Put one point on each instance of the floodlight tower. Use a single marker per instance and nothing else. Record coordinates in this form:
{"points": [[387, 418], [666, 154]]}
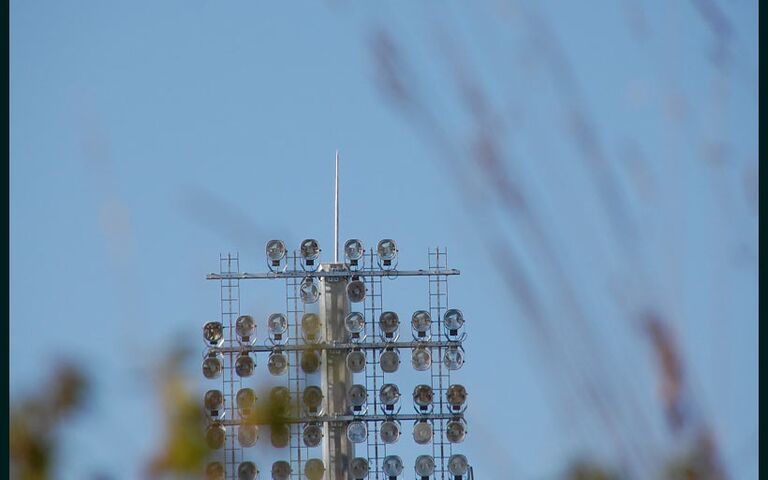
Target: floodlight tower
{"points": [[323, 342]]}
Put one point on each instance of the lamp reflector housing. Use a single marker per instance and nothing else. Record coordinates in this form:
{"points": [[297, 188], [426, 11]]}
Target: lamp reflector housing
{"points": [[213, 365], [310, 327], [453, 358], [455, 431], [310, 361], [357, 396], [215, 471], [453, 320], [247, 434], [422, 432], [281, 470], [245, 327], [425, 466], [275, 252], [356, 291], [244, 365], [309, 250], [357, 432], [312, 399], [389, 395], [421, 322], [215, 435], [423, 396], [359, 468], [392, 465], [309, 291], [213, 333], [356, 361], [389, 431], [353, 251], [247, 471], [214, 403], [389, 323], [421, 359], [312, 435], [389, 361], [458, 465], [246, 401], [387, 250], [314, 469], [277, 364], [280, 435]]}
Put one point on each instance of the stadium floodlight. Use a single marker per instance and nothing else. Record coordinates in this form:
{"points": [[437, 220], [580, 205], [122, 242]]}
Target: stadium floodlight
{"points": [[247, 471], [310, 251], [214, 403], [213, 333], [392, 466], [357, 431], [356, 291], [277, 364], [389, 432], [453, 321], [425, 466], [353, 252], [244, 365], [215, 471], [453, 358], [389, 395], [423, 396], [275, 252], [247, 434], [354, 323], [387, 250], [281, 470], [277, 324], [310, 327], [421, 323], [310, 361], [455, 430], [280, 436], [389, 323], [458, 465], [309, 290], [313, 399], [357, 396], [421, 359], [422, 432], [312, 435], [358, 468], [389, 360], [314, 469], [245, 327], [456, 396], [213, 365], [280, 395], [356, 361], [246, 401], [215, 435]]}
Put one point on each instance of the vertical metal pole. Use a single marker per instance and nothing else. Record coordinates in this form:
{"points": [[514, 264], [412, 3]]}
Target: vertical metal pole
{"points": [[338, 451], [336, 214]]}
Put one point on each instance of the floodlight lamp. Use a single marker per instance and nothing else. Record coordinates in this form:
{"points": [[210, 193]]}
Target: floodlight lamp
{"points": [[310, 250], [358, 468], [453, 321], [314, 469], [247, 434], [357, 432], [213, 332], [421, 359], [389, 322], [310, 327], [277, 325], [389, 431], [389, 360], [275, 252], [213, 365], [310, 361], [245, 399], [356, 291], [244, 365], [215, 436], [356, 361], [357, 396], [281, 470], [423, 396], [247, 471], [313, 399], [245, 327], [354, 323], [389, 395], [353, 251], [392, 466], [280, 395], [309, 290], [280, 436], [456, 396], [312, 435], [455, 431], [214, 403], [458, 465], [215, 471], [421, 322], [387, 250], [277, 364], [422, 432], [453, 358], [425, 466]]}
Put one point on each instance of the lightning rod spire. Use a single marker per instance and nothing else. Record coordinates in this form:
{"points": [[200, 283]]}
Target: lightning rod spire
{"points": [[336, 214]]}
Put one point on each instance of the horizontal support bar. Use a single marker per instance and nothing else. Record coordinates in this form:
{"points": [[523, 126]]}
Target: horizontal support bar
{"points": [[337, 346], [403, 417], [337, 274]]}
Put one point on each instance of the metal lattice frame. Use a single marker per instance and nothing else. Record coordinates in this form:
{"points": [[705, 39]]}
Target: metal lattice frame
{"points": [[438, 272]]}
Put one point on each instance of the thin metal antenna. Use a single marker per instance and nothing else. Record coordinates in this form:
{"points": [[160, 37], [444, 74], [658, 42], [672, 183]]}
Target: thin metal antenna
{"points": [[336, 214]]}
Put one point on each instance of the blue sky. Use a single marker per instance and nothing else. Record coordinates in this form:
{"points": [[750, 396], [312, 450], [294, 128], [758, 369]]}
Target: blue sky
{"points": [[148, 137]]}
